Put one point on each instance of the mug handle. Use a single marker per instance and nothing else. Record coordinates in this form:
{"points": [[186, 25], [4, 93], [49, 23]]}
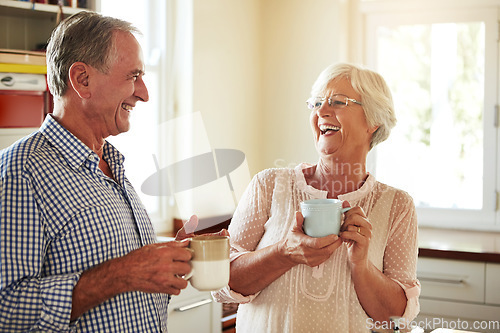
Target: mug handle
{"points": [[346, 209], [187, 276], [190, 274]]}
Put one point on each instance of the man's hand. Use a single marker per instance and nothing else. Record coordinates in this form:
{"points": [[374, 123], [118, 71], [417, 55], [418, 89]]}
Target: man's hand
{"points": [[154, 268], [157, 268]]}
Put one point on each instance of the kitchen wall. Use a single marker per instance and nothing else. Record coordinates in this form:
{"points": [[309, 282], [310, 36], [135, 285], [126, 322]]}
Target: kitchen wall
{"points": [[254, 62]]}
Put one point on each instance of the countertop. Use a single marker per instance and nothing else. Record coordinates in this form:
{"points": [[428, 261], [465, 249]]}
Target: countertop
{"points": [[459, 244], [443, 243]]}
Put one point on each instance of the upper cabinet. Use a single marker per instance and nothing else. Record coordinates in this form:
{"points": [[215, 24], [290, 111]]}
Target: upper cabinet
{"points": [[27, 26]]}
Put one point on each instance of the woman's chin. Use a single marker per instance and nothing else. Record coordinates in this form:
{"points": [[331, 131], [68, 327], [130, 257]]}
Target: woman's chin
{"points": [[327, 151], [326, 148]]}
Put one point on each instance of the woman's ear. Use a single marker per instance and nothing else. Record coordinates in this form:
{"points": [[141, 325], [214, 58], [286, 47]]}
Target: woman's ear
{"points": [[79, 79], [373, 129]]}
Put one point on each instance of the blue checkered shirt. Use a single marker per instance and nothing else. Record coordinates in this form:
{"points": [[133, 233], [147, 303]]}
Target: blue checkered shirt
{"points": [[60, 215]]}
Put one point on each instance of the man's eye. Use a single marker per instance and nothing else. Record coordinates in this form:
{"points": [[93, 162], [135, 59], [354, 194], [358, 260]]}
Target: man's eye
{"points": [[135, 77]]}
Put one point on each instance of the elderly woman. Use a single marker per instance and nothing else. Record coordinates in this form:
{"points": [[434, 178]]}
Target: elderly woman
{"points": [[286, 281]]}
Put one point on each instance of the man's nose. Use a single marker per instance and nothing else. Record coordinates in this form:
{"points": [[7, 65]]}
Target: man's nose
{"points": [[141, 91]]}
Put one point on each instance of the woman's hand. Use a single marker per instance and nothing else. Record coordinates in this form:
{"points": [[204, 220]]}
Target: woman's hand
{"points": [[255, 270], [357, 232], [379, 295], [302, 249], [187, 230]]}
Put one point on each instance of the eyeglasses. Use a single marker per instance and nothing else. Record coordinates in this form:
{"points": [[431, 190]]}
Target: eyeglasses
{"points": [[337, 101]]}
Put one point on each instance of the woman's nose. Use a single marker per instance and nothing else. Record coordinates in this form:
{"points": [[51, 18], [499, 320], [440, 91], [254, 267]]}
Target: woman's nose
{"points": [[324, 110]]}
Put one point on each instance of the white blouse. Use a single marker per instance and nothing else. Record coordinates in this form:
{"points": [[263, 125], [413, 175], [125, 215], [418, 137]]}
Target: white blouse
{"points": [[319, 299]]}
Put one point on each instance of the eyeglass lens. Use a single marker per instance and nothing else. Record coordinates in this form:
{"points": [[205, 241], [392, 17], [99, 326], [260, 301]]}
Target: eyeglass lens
{"points": [[335, 101]]}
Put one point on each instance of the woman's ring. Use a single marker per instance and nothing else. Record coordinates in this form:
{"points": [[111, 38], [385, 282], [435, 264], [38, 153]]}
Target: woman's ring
{"points": [[359, 230]]}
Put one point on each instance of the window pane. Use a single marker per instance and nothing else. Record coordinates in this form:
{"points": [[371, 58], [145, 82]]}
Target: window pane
{"points": [[436, 74], [140, 143]]}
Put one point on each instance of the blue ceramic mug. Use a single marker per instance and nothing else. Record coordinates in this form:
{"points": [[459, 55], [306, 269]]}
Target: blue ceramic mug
{"points": [[322, 217]]}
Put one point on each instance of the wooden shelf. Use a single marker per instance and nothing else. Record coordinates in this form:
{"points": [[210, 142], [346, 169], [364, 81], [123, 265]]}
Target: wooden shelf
{"points": [[26, 9], [27, 26]]}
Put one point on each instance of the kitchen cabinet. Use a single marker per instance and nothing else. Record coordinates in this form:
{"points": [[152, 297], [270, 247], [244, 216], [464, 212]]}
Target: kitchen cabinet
{"points": [[492, 286], [193, 311], [25, 26], [459, 292], [452, 279]]}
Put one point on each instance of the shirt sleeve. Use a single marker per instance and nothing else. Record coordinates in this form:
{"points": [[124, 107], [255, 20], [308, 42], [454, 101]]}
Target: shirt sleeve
{"points": [[401, 254], [246, 230], [28, 299]]}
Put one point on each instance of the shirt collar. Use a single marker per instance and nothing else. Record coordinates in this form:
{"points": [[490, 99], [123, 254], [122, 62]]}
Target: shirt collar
{"points": [[74, 151], [363, 191]]}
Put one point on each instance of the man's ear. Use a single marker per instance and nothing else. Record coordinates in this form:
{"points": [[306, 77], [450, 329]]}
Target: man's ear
{"points": [[79, 79]]}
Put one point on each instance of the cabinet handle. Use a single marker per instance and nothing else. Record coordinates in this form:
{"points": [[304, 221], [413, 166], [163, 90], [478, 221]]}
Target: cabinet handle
{"points": [[456, 281], [193, 305]]}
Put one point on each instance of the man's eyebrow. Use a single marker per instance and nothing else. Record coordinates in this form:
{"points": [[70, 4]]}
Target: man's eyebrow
{"points": [[137, 72]]}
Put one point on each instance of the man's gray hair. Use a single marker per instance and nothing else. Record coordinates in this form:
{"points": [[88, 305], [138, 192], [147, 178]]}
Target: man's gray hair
{"points": [[86, 37]]}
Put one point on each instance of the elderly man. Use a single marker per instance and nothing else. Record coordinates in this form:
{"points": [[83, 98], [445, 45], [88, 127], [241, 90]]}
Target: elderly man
{"points": [[77, 249]]}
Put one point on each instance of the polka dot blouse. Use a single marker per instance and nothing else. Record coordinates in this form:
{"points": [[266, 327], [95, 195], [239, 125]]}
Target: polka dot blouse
{"points": [[303, 299]]}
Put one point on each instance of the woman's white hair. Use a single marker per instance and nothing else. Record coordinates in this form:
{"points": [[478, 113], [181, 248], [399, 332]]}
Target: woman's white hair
{"points": [[375, 96]]}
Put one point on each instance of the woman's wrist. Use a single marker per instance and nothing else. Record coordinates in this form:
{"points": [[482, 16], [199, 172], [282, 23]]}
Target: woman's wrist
{"points": [[284, 256], [360, 268]]}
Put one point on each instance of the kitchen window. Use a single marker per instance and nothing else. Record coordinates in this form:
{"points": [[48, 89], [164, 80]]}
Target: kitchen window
{"points": [[440, 61], [141, 144]]}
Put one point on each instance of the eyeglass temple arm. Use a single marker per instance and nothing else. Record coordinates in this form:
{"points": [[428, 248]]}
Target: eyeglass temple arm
{"points": [[354, 101]]}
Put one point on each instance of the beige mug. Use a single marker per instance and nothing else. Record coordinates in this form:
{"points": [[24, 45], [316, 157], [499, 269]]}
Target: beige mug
{"points": [[210, 262]]}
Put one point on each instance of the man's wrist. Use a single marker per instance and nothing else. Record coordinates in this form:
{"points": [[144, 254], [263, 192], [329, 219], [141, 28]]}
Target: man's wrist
{"points": [[97, 285]]}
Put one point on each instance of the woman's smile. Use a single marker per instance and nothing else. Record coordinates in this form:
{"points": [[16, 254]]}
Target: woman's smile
{"points": [[326, 129]]}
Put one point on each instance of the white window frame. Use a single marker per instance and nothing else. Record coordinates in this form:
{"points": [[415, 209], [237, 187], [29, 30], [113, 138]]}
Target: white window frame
{"points": [[394, 13], [140, 154]]}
